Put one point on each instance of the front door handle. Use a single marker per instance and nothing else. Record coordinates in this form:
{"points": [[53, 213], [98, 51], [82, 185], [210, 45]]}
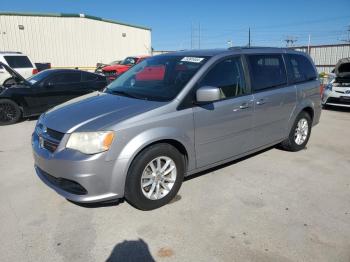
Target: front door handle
{"points": [[241, 107], [261, 102], [244, 106]]}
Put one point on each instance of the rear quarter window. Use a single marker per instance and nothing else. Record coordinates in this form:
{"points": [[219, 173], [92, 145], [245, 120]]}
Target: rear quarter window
{"points": [[18, 61], [300, 69], [267, 71], [89, 77]]}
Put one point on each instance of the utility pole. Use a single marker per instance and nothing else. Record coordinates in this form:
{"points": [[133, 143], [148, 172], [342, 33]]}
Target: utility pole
{"points": [[347, 40], [249, 37], [308, 44], [199, 35], [290, 40], [191, 35]]}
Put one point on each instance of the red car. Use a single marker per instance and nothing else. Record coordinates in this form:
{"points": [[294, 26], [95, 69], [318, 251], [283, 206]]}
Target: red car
{"points": [[113, 71]]}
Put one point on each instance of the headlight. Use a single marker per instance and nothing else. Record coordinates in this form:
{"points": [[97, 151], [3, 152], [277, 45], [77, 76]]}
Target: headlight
{"points": [[90, 142], [39, 125]]}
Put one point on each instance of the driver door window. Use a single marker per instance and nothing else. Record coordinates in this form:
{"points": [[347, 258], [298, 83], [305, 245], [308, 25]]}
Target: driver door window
{"points": [[228, 76]]}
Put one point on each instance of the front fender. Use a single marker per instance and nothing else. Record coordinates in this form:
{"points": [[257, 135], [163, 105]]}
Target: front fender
{"points": [[141, 141], [150, 136]]}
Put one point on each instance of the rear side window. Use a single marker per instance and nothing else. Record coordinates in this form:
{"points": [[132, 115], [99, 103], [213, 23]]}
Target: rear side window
{"points": [[89, 77], [300, 69], [228, 76], [18, 61], [267, 71], [62, 78]]}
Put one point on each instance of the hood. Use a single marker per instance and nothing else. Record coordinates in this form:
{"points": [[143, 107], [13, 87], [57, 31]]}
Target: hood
{"points": [[115, 68], [342, 68], [95, 111], [14, 73]]}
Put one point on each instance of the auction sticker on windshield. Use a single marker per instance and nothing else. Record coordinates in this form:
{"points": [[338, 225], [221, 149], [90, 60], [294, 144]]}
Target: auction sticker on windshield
{"points": [[192, 59]]}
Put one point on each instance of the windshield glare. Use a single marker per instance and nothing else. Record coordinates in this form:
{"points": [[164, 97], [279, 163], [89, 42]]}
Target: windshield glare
{"points": [[38, 77], [158, 78], [129, 61]]}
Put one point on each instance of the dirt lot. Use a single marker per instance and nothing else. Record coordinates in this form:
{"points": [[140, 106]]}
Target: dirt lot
{"points": [[273, 206]]}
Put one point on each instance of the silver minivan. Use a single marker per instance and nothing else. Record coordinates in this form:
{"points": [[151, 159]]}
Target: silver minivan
{"points": [[174, 115]]}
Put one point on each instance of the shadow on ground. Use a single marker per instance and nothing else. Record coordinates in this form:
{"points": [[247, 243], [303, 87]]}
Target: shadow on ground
{"points": [[116, 202], [111, 203], [337, 109], [131, 251]]}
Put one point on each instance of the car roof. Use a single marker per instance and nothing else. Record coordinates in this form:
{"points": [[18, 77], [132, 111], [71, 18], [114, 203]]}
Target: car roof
{"points": [[64, 70], [231, 50], [13, 53]]}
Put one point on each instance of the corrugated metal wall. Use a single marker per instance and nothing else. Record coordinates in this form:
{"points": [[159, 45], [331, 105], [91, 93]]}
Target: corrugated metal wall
{"points": [[72, 41], [325, 57]]}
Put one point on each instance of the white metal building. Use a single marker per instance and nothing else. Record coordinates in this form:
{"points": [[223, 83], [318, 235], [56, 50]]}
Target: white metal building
{"points": [[326, 56], [71, 40]]}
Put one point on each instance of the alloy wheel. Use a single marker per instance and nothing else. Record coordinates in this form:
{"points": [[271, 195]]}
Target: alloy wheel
{"points": [[158, 177]]}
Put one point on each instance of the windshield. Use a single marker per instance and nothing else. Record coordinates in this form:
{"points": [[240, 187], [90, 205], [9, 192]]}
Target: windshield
{"points": [[38, 77], [158, 78], [129, 61]]}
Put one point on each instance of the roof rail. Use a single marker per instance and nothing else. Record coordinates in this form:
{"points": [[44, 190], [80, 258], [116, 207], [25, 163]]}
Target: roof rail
{"points": [[10, 52], [251, 47]]}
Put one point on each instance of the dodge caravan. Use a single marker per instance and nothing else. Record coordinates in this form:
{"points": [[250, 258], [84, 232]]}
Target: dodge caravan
{"points": [[171, 116]]}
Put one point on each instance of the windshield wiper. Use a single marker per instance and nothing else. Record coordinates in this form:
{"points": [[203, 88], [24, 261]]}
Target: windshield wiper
{"points": [[123, 93]]}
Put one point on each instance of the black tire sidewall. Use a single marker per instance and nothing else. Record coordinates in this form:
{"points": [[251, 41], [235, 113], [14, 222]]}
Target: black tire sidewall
{"points": [[294, 146], [18, 111], [133, 192]]}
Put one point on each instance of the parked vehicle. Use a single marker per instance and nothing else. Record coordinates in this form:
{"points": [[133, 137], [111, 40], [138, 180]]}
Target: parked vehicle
{"points": [[113, 71], [174, 115], [100, 66], [42, 66], [18, 61], [337, 92], [44, 90]]}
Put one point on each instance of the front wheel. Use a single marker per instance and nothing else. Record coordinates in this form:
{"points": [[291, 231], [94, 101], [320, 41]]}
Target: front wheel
{"points": [[154, 177], [10, 112]]}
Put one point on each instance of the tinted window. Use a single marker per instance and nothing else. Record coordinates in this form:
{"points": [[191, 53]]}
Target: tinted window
{"points": [[300, 68], [70, 77], [89, 77], [227, 75], [18, 61], [267, 71]]}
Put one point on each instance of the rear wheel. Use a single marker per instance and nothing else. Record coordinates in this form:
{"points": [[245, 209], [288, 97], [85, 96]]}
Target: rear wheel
{"points": [[299, 134], [154, 177], [10, 112]]}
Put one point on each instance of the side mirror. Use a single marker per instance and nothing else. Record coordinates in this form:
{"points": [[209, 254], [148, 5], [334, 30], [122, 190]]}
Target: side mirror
{"points": [[207, 94]]}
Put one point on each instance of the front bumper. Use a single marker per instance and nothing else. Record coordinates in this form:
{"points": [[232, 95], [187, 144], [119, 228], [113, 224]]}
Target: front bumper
{"points": [[334, 98], [79, 177]]}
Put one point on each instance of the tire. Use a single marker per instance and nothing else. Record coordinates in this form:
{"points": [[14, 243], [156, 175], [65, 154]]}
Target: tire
{"points": [[292, 143], [141, 172], [9, 82], [10, 112]]}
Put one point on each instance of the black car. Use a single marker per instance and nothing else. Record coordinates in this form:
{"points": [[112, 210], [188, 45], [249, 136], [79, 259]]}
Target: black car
{"points": [[35, 95]]}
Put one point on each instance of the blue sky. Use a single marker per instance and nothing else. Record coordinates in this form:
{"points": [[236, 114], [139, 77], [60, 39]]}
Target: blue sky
{"points": [[220, 21]]}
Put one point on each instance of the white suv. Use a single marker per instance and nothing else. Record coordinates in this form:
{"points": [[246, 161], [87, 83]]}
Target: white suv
{"points": [[19, 62]]}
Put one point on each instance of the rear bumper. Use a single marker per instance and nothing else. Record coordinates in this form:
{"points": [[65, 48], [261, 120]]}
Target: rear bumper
{"points": [[78, 177]]}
